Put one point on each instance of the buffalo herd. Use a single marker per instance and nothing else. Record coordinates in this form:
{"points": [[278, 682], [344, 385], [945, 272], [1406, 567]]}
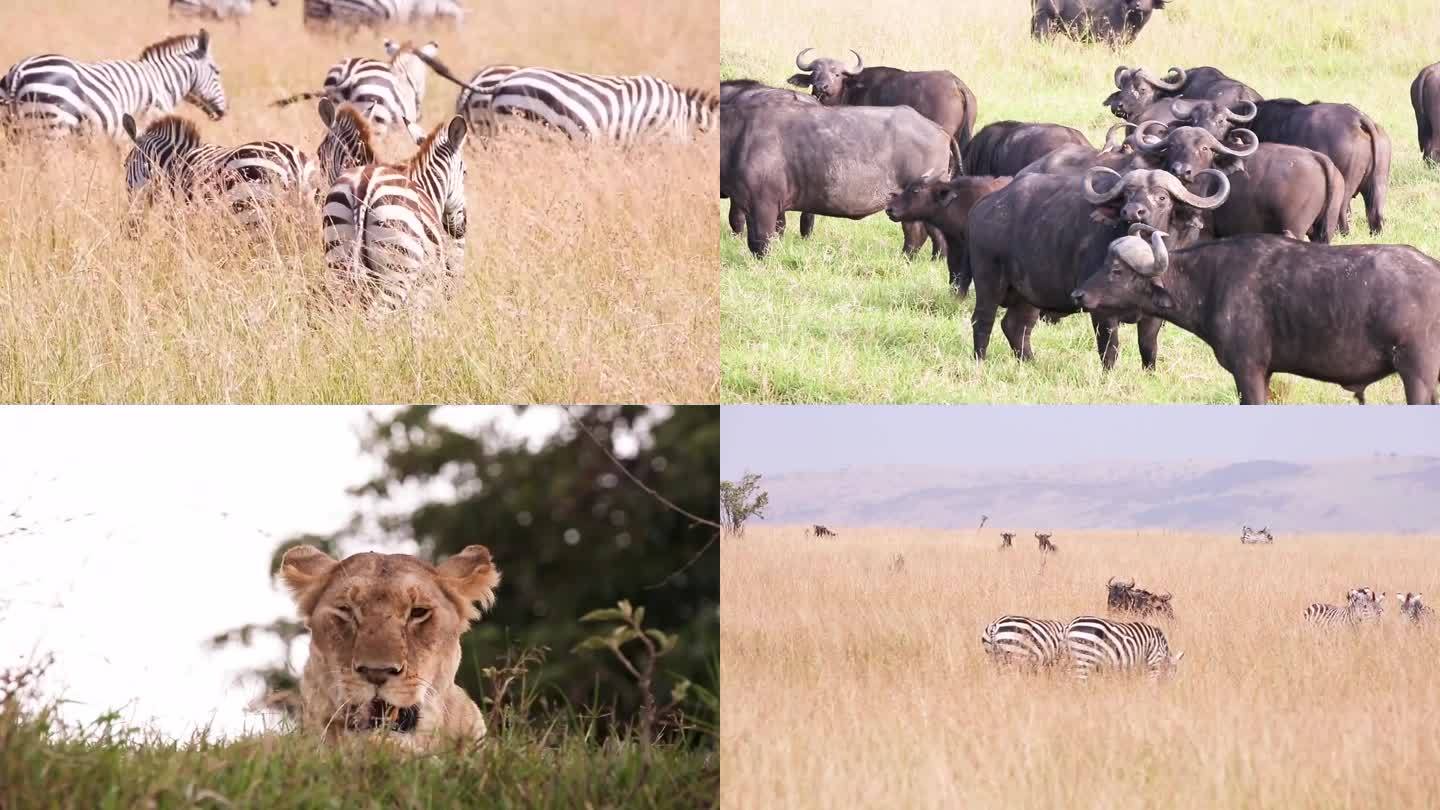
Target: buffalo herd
{"points": [[1209, 207]]}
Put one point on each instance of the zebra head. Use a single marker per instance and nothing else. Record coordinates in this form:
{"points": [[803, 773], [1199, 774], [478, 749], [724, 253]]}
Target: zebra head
{"points": [[439, 167], [159, 151], [347, 142], [405, 63], [1171, 663], [188, 59]]}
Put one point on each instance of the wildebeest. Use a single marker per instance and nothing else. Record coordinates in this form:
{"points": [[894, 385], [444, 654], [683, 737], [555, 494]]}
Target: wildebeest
{"points": [[820, 531], [1003, 148], [834, 161], [1214, 118], [1114, 22], [1007, 539], [1358, 146], [1425, 98], [1124, 597], [740, 97], [1136, 90], [1275, 188], [946, 204], [1118, 153], [1046, 546], [1351, 315]]}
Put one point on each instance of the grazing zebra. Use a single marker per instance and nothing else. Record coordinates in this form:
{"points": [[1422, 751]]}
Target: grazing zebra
{"points": [[168, 155], [1046, 546], [1007, 539], [394, 233], [347, 143], [1413, 609], [1032, 643], [57, 95], [386, 92], [1362, 604], [375, 12], [213, 9], [1249, 536], [1100, 644], [476, 94]]}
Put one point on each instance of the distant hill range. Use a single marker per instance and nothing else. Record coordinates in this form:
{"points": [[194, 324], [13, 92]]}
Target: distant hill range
{"points": [[1382, 494]]}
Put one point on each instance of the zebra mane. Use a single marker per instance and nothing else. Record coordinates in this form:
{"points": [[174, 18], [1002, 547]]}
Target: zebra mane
{"points": [[184, 129], [427, 147], [704, 98], [361, 127], [180, 43]]}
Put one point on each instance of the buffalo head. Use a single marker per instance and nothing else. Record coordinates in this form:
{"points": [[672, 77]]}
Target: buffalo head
{"points": [[1136, 90], [1155, 198], [1187, 151], [1211, 117], [826, 78], [1131, 276], [933, 197]]}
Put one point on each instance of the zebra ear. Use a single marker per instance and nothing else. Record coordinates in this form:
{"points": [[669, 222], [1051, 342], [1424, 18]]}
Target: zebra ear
{"points": [[128, 122], [204, 47], [430, 48], [327, 112], [455, 133]]}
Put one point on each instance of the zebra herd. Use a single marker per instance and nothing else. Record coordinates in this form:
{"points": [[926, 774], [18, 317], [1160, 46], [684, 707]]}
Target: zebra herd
{"points": [[344, 12], [1366, 605], [392, 233]]}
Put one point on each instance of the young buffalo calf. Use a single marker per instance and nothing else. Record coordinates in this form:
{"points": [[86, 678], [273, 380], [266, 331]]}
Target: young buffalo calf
{"points": [[946, 205], [1351, 314]]}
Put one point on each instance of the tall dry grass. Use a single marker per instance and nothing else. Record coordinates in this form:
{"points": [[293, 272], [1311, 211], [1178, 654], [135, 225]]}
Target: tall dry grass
{"points": [[852, 685], [589, 274]]}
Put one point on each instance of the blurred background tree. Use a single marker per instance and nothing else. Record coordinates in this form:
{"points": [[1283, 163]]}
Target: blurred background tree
{"points": [[569, 531]]}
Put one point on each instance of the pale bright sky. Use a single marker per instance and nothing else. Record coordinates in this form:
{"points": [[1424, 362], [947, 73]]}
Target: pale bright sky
{"points": [[153, 530]]}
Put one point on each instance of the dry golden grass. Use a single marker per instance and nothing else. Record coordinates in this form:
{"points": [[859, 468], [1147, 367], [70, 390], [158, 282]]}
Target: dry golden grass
{"points": [[590, 272], [851, 685]]}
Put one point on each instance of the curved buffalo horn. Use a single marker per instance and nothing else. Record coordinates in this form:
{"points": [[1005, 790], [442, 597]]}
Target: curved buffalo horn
{"points": [[1162, 253], [1174, 80], [1122, 75], [859, 65], [1182, 107], [1248, 145], [799, 60], [1112, 143], [1172, 184], [1151, 144], [1142, 229], [1243, 118], [1097, 197], [1135, 254]]}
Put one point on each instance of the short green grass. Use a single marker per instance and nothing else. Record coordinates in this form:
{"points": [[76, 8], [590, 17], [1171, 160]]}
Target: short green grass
{"points": [[843, 318]]}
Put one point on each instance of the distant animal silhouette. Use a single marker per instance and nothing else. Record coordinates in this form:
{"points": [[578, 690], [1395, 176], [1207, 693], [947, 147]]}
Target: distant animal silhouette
{"points": [[819, 531], [1249, 536], [1124, 597], [1006, 539], [1046, 546], [1413, 609]]}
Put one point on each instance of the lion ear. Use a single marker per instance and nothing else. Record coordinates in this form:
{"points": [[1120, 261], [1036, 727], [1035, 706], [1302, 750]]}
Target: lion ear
{"points": [[471, 576], [305, 569]]}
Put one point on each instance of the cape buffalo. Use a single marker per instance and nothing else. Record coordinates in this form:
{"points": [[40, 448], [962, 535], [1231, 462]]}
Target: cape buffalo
{"points": [[1425, 98], [1351, 314], [1033, 241], [1214, 118], [1137, 90], [742, 97], [1358, 146], [946, 204], [1115, 22], [1076, 159], [1005, 147], [833, 161], [1275, 188]]}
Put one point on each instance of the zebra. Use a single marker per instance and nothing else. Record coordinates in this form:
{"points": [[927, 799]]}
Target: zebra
{"points": [[1361, 605], [1006, 540], [169, 155], [620, 109], [61, 95], [1100, 644], [1032, 643], [1046, 547], [1249, 536], [375, 12], [392, 232], [1413, 609], [386, 92], [476, 94], [347, 143], [213, 9]]}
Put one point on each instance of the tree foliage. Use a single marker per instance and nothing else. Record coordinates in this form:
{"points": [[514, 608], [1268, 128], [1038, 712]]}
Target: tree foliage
{"points": [[742, 500]]}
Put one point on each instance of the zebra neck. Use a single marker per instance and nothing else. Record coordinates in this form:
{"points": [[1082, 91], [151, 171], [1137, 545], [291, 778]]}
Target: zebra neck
{"points": [[170, 82]]}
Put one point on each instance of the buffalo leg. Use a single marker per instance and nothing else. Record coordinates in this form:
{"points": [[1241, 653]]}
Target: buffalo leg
{"points": [[957, 258], [938, 246], [1373, 191], [737, 218], [760, 226], [807, 224], [1253, 385], [780, 225], [1017, 325], [914, 237], [1149, 333], [987, 303], [1105, 340], [1419, 371]]}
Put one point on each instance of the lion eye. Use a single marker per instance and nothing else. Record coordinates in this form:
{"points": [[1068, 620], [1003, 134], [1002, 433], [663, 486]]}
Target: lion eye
{"points": [[419, 614]]}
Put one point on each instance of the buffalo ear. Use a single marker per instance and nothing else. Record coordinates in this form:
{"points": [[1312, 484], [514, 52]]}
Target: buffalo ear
{"points": [[1160, 297], [946, 196], [471, 576], [799, 80]]}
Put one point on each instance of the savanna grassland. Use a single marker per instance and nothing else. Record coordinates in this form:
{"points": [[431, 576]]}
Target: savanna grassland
{"points": [[865, 686], [843, 318], [589, 271]]}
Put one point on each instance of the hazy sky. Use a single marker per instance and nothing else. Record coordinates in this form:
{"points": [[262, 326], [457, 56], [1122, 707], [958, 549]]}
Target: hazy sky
{"points": [[152, 530], [781, 439]]}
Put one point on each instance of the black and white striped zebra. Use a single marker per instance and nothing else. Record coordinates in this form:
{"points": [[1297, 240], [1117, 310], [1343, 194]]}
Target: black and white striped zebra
{"points": [[1025, 642], [385, 92], [377, 12], [1249, 536], [1097, 644], [1412, 608], [57, 95], [475, 96], [1361, 605], [169, 157], [347, 143], [213, 9], [394, 234]]}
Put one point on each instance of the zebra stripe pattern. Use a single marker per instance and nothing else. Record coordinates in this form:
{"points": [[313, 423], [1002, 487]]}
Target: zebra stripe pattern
{"points": [[385, 92], [375, 12], [1249, 536], [347, 143], [169, 156], [1028, 642], [395, 233], [1362, 604], [56, 94], [622, 109], [476, 96], [213, 9], [1413, 609], [1098, 644]]}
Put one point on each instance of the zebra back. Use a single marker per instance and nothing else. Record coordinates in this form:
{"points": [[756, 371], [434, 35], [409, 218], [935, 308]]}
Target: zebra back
{"points": [[476, 95], [1022, 640], [376, 12], [621, 109], [1100, 644], [213, 9]]}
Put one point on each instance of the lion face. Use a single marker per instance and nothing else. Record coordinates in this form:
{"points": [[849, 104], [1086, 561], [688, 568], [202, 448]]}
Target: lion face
{"points": [[385, 634]]}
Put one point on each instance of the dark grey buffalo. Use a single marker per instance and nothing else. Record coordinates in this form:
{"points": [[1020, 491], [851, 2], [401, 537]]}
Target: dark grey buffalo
{"points": [[1115, 22], [1136, 90], [1003, 148], [1214, 118], [1358, 146], [1275, 188], [1351, 315], [1076, 159], [833, 161], [740, 97], [749, 91], [946, 204], [1425, 98], [1033, 242]]}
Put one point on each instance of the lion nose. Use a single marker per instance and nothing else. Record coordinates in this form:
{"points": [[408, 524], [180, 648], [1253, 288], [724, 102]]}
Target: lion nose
{"points": [[378, 675]]}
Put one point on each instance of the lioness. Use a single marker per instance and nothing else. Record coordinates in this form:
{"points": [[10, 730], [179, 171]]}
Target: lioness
{"points": [[385, 642]]}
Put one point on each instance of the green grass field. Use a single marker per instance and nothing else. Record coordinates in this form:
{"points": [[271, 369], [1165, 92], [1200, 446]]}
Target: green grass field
{"points": [[843, 318]]}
